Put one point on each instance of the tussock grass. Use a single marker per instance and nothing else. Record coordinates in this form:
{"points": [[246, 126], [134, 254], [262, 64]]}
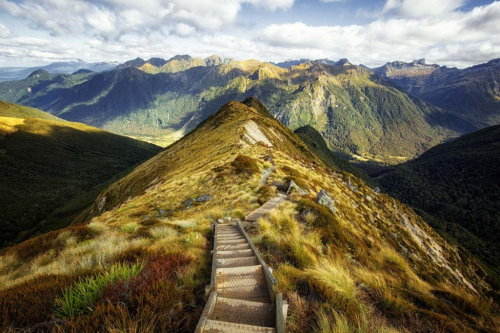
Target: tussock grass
{"points": [[330, 321], [163, 232], [336, 283], [282, 233], [130, 227], [80, 297]]}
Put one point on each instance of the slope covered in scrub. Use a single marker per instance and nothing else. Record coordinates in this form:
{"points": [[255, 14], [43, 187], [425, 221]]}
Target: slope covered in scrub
{"points": [[457, 183], [45, 162], [140, 258]]}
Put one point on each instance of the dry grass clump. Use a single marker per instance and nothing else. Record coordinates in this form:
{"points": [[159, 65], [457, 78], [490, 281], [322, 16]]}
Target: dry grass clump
{"points": [[265, 193], [335, 282], [244, 164], [129, 227], [282, 235], [330, 321], [163, 232]]}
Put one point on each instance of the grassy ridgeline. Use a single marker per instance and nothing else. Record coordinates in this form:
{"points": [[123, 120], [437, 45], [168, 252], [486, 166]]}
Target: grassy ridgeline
{"points": [[372, 266]]}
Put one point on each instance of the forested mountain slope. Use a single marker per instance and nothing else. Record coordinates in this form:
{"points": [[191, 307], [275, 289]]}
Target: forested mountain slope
{"points": [[45, 162]]}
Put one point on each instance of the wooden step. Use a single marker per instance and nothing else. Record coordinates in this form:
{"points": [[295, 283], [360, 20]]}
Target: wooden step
{"points": [[229, 234], [234, 253], [216, 326], [244, 312], [237, 262], [222, 227], [232, 241], [255, 269], [225, 238], [264, 209], [229, 247], [246, 287]]}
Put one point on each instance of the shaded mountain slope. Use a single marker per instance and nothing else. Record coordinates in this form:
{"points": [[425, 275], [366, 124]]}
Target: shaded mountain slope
{"points": [[473, 93], [316, 143], [45, 162], [353, 109], [457, 182], [144, 245]]}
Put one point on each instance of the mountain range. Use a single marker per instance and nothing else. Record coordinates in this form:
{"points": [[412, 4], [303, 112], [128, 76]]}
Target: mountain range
{"points": [[137, 258], [473, 93], [358, 111], [66, 67]]}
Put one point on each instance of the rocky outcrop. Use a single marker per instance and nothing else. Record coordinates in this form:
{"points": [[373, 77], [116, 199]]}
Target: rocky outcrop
{"points": [[324, 199]]}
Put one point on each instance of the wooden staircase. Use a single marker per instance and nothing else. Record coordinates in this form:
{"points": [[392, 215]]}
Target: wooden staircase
{"points": [[242, 297], [265, 208]]}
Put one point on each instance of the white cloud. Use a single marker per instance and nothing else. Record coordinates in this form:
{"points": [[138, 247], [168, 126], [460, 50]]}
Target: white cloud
{"points": [[4, 31], [108, 30], [456, 38], [184, 30], [421, 8], [110, 18]]}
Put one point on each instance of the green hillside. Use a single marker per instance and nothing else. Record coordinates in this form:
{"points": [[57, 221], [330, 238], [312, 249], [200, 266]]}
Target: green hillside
{"points": [[45, 162], [141, 259], [354, 110], [20, 111], [458, 183]]}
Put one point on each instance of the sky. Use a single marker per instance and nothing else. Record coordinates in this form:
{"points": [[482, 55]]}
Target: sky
{"points": [[457, 33]]}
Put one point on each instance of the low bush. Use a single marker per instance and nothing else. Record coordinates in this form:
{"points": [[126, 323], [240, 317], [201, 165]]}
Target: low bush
{"points": [[31, 302], [243, 164], [265, 193], [152, 301]]}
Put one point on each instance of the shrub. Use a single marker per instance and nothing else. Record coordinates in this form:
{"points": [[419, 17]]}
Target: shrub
{"points": [[265, 193], [31, 248], [153, 297], [132, 255], [31, 302], [149, 221], [245, 164], [80, 297]]}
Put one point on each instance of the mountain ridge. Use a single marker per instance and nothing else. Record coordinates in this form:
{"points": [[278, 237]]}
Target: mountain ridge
{"points": [[18, 73], [473, 92]]}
